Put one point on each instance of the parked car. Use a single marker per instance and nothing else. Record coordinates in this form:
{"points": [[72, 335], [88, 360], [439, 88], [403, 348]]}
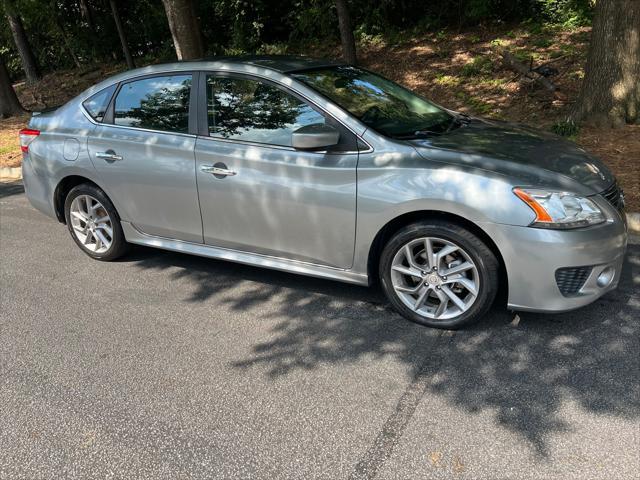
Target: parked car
{"points": [[325, 169]]}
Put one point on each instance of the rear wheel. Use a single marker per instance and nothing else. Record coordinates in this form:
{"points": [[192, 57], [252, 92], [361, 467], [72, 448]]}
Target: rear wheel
{"points": [[439, 274], [94, 223]]}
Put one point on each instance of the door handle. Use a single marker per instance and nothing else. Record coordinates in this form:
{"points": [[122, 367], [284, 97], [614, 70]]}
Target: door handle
{"points": [[109, 155], [218, 171]]}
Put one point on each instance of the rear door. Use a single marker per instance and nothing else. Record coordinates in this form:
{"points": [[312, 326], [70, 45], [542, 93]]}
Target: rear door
{"points": [[277, 201], [143, 151]]}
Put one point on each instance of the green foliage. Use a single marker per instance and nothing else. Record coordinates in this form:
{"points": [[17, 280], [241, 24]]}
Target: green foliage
{"points": [[492, 82], [568, 13], [566, 128], [7, 149], [543, 42], [447, 80], [12, 62], [482, 65], [312, 19], [58, 31], [478, 105], [273, 49], [377, 40]]}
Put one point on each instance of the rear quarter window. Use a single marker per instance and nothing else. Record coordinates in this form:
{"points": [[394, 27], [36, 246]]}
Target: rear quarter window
{"points": [[96, 105]]}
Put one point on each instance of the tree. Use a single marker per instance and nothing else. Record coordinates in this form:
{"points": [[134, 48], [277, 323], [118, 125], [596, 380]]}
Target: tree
{"points": [[9, 103], [29, 64], [346, 32], [185, 28], [121, 34], [87, 14], [610, 93], [59, 26]]}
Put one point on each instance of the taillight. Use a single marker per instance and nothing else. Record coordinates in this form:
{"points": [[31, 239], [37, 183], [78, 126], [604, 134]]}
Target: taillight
{"points": [[27, 135]]}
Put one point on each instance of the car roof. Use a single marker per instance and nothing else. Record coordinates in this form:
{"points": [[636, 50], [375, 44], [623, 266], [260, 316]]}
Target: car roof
{"points": [[279, 63]]}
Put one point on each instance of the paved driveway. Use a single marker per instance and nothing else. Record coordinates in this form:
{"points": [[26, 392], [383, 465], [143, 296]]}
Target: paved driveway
{"points": [[168, 366]]}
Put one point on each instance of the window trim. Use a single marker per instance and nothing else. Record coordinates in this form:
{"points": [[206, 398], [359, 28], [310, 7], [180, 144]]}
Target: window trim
{"points": [[86, 112], [203, 121], [108, 119]]}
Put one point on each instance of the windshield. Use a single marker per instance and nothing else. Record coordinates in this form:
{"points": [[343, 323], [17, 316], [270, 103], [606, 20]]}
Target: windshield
{"points": [[381, 104]]}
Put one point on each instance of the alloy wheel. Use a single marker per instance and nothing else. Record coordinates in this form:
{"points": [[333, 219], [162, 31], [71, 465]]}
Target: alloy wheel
{"points": [[91, 223], [435, 278]]}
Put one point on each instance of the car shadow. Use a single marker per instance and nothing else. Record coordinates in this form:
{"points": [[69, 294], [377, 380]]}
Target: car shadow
{"points": [[522, 367], [9, 189]]}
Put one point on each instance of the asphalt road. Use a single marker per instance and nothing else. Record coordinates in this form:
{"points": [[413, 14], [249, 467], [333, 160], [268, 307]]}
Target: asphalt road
{"points": [[169, 366]]}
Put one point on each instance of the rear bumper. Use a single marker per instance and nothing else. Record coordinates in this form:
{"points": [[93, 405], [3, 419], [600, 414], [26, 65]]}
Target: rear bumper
{"points": [[532, 256], [37, 188]]}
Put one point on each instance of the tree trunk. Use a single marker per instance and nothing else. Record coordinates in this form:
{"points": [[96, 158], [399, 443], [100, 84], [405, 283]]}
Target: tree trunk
{"points": [[27, 57], [85, 10], [9, 103], [346, 32], [185, 28], [123, 38], [610, 93]]}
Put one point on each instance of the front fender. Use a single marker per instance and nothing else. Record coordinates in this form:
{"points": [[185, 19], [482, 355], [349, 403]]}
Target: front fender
{"points": [[388, 189]]}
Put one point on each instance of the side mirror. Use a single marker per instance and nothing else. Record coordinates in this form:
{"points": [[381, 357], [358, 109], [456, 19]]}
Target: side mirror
{"points": [[315, 136]]}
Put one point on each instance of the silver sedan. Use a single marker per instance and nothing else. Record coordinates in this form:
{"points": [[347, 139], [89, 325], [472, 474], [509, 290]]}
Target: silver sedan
{"points": [[326, 169]]}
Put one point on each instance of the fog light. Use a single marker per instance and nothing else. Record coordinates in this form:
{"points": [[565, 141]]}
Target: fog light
{"points": [[605, 277]]}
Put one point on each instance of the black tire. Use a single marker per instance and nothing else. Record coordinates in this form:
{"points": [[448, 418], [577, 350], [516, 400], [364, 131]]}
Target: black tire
{"points": [[119, 245], [486, 263]]}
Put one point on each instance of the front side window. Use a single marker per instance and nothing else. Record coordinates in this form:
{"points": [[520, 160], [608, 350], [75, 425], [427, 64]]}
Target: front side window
{"points": [[249, 110], [156, 103], [96, 105], [381, 104]]}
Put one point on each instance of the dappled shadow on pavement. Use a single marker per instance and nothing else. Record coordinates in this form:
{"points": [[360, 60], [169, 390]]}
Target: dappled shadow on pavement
{"points": [[8, 189], [523, 367]]}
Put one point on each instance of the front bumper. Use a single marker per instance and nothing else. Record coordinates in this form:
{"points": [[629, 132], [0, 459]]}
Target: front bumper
{"points": [[533, 255]]}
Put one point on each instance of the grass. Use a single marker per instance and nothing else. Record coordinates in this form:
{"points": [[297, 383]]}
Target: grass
{"points": [[447, 80], [565, 128], [10, 155], [478, 105], [543, 42], [482, 65], [499, 42], [7, 149], [491, 82]]}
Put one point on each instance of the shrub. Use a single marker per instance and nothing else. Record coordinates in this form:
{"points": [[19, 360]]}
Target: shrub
{"points": [[568, 13], [565, 128]]}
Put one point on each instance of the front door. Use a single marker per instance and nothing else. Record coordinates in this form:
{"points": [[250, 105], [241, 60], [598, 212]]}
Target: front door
{"points": [[257, 193], [144, 155]]}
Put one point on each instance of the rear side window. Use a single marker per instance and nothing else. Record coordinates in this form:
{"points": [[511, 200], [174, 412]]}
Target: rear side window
{"points": [[253, 111], [97, 104], [156, 103]]}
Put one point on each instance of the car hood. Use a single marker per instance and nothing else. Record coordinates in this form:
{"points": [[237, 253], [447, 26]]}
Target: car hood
{"points": [[514, 149]]}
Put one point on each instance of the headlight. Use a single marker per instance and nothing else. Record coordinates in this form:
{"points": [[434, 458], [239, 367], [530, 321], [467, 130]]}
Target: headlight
{"points": [[560, 209]]}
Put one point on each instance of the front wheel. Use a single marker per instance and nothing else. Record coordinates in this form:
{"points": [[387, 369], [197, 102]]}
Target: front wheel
{"points": [[94, 223], [439, 274]]}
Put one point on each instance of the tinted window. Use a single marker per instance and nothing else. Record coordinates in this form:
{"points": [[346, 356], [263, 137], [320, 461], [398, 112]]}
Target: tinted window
{"points": [[157, 103], [253, 111], [97, 104]]}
